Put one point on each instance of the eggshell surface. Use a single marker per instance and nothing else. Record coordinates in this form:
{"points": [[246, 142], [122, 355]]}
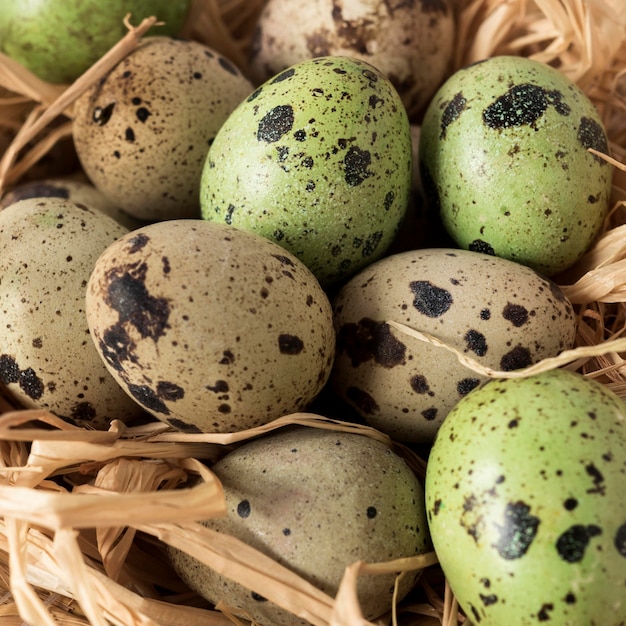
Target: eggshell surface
{"points": [[504, 154], [502, 314], [142, 132], [319, 160], [316, 501], [525, 500], [48, 247], [410, 42], [210, 328]]}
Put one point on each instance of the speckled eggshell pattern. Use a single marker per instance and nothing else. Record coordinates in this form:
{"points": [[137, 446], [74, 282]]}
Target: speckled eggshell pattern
{"points": [[142, 133], [525, 500], [74, 190], [48, 247], [210, 328], [316, 501], [410, 42], [498, 312], [318, 159], [504, 159]]}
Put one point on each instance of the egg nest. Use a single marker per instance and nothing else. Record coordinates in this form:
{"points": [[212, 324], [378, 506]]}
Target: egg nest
{"points": [[84, 512]]}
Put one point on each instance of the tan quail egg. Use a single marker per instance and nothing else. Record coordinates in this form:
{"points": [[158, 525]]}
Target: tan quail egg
{"points": [[208, 327], [505, 161], [500, 313], [316, 501], [319, 160], [410, 42], [142, 132], [48, 247], [525, 500], [75, 190]]}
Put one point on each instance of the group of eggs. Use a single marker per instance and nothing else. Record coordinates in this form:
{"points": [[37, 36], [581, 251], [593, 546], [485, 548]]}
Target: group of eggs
{"points": [[233, 256]]}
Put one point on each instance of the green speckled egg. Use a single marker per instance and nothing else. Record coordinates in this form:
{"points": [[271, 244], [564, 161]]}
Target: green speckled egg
{"points": [[317, 159], [525, 499], [504, 158], [316, 501]]}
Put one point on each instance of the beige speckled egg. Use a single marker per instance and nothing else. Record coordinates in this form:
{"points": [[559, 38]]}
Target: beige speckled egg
{"points": [[316, 501], [208, 327], [410, 42], [48, 247], [500, 313], [77, 191], [142, 132]]}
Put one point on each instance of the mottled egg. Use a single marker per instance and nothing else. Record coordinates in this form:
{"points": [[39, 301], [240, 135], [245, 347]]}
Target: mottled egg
{"points": [[142, 132], [210, 328], [505, 160], [525, 500], [78, 191], [410, 42], [500, 313], [316, 501], [48, 247], [318, 159]]}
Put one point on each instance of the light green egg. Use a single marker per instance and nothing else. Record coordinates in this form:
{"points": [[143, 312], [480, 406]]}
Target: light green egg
{"points": [[504, 156], [317, 159], [525, 500]]}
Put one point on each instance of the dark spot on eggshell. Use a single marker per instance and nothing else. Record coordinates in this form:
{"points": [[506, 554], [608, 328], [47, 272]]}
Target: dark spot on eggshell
{"points": [[284, 260], [429, 299], [258, 597], [170, 391], [254, 95], [9, 369], [183, 426], [466, 385], [517, 532], [523, 105], [571, 545], [389, 198], [127, 295], [148, 398], [244, 509], [275, 123], [371, 512], [129, 134], [592, 135], [362, 400], [288, 73], [543, 615], [476, 342], [489, 599], [419, 384], [83, 412], [228, 358], [137, 242], [228, 66], [478, 245], [142, 114], [371, 243], [290, 344], [356, 163], [369, 339], [101, 115], [485, 314], [515, 359], [116, 346], [30, 383], [620, 540], [452, 112], [598, 479], [430, 414], [516, 314], [228, 217]]}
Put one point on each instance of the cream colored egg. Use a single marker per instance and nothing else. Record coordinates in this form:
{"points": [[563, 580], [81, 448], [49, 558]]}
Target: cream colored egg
{"points": [[208, 327], [316, 501], [410, 42], [143, 131], [48, 247], [501, 314], [78, 191]]}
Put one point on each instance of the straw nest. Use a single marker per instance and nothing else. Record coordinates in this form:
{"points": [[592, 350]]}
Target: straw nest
{"points": [[85, 513]]}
